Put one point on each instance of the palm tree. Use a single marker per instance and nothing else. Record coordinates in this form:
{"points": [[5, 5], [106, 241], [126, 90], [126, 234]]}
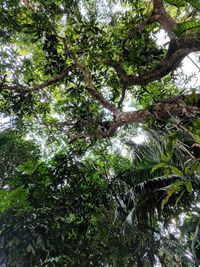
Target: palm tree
{"points": [[153, 199]]}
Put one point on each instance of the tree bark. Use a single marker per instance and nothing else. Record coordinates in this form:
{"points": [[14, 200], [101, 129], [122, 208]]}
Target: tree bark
{"points": [[173, 107], [177, 51]]}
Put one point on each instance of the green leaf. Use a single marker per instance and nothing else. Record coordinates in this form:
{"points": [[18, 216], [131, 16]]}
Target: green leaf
{"points": [[188, 186], [171, 142], [27, 167], [175, 188], [30, 249], [159, 166], [192, 99], [186, 26], [179, 198], [166, 157], [194, 3], [181, 3], [17, 198], [177, 3], [176, 171]]}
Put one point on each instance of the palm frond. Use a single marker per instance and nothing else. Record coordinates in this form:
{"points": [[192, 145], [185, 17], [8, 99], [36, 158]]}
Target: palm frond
{"points": [[173, 251], [149, 151], [143, 202], [158, 195]]}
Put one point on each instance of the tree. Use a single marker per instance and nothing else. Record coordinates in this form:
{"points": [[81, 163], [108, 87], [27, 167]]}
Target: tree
{"points": [[14, 151], [56, 227], [68, 69], [92, 62], [155, 196]]}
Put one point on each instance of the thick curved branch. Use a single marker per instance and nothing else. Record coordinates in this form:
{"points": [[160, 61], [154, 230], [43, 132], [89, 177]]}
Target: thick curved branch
{"points": [[159, 111], [159, 15], [178, 50]]}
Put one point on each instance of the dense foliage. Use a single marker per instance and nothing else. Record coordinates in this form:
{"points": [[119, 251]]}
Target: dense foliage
{"points": [[79, 81]]}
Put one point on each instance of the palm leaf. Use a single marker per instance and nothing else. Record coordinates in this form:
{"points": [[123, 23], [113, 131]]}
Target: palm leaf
{"points": [[144, 201], [187, 26], [177, 3], [194, 3], [181, 3], [173, 250], [153, 194], [146, 155]]}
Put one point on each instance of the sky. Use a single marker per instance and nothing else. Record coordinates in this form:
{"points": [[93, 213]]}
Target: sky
{"points": [[190, 64]]}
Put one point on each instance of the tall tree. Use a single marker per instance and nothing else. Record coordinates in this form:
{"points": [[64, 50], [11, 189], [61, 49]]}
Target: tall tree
{"points": [[68, 70], [73, 65]]}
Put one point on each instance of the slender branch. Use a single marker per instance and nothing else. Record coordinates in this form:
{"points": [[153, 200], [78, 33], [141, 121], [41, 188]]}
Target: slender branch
{"points": [[193, 243], [51, 82], [38, 87], [122, 97], [194, 63], [88, 79], [178, 50], [94, 92], [138, 29]]}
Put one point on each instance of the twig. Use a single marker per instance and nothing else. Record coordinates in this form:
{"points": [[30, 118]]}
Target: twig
{"points": [[194, 63], [193, 243], [122, 97]]}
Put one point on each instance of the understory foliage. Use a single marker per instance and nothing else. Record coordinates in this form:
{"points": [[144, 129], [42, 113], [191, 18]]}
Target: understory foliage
{"points": [[79, 82]]}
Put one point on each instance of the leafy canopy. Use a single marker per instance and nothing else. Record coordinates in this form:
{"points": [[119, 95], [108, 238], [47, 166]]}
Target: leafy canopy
{"points": [[87, 194]]}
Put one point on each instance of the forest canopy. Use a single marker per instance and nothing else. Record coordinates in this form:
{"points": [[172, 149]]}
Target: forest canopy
{"points": [[79, 82]]}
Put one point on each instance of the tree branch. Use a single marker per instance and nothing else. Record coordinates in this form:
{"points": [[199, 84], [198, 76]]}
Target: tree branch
{"points": [[159, 111], [159, 15], [38, 87], [178, 49], [162, 17], [94, 92], [138, 29], [88, 79], [123, 94]]}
